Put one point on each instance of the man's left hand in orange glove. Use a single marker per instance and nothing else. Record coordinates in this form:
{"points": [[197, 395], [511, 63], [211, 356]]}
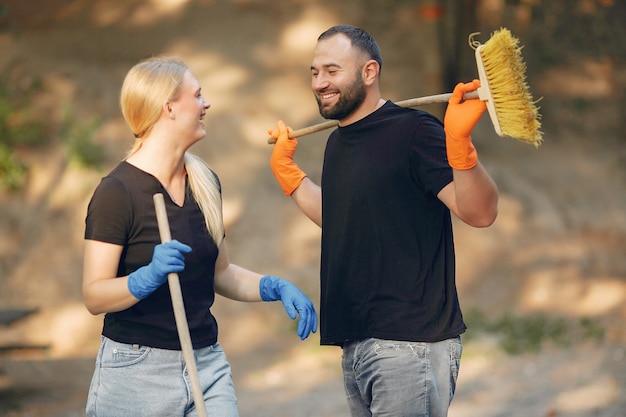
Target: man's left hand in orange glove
{"points": [[287, 172], [459, 121]]}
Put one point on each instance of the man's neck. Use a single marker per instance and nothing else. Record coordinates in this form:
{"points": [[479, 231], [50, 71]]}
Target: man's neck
{"points": [[368, 107]]}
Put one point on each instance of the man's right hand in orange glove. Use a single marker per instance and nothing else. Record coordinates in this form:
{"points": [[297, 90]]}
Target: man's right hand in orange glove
{"points": [[286, 171]]}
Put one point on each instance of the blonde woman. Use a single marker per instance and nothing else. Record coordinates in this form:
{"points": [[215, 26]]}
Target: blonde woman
{"points": [[139, 367]]}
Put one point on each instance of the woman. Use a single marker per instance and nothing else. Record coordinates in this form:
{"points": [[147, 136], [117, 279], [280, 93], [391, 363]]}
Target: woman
{"points": [[139, 367]]}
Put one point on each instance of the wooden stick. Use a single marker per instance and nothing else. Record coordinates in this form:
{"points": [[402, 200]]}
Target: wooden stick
{"points": [[179, 310], [413, 102]]}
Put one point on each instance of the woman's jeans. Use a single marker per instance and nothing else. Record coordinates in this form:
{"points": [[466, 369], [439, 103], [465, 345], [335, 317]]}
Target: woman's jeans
{"points": [[400, 379], [133, 380]]}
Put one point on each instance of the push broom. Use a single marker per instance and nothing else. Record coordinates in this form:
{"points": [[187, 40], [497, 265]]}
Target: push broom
{"points": [[503, 87]]}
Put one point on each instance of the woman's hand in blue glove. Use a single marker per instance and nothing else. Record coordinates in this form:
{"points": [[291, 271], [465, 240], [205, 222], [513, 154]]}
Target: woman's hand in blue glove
{"points": [[167, 257], [274, 288]]}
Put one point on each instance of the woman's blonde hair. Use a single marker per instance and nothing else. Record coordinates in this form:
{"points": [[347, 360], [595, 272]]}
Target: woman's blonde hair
{"points": [[146, 87]]}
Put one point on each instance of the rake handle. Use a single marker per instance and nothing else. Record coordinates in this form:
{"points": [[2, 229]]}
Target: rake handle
{"points": [[179, 310], [413, 102]]}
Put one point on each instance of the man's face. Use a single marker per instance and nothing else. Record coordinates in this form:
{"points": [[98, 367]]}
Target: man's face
{"points": [[336, 77]]}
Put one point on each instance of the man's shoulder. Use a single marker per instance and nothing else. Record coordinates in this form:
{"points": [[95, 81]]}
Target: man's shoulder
{"points": [[411, 115]]}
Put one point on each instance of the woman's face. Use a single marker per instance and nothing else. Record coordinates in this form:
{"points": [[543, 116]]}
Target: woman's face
{"points": [[190, 108]]}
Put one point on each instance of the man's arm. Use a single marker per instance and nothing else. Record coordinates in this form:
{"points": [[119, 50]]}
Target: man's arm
{"points": [[472, 195], [308, 197], [292, 180]]}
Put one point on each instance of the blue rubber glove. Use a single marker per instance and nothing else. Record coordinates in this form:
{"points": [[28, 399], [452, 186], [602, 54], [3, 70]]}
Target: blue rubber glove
{"points": [[274, 288], [167, 257]]}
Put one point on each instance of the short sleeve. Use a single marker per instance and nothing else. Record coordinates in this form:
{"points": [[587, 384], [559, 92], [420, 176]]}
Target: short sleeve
{"points": [[109, 213], [428, 153]]}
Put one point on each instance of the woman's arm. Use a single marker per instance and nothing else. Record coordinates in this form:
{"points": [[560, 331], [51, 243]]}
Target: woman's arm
{"points": [[233, 281], [240, 284], [103, 292]]}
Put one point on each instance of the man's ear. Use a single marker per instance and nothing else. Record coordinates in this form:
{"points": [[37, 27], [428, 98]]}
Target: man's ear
{"points": [[371, 69]]}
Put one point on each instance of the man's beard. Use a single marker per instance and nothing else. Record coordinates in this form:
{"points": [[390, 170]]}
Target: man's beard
{"points": [[349, 100]]}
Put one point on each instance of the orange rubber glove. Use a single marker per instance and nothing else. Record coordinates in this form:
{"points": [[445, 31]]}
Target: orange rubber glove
{"points": [[287, 173], [459, 121]]}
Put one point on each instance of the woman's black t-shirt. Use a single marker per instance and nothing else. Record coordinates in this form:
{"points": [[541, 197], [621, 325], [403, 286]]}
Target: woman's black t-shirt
{"points": [[387, 264], [121, 212]]}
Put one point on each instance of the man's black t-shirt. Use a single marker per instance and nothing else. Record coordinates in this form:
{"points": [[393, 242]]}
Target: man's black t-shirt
{"points": [[387, 265], [122, 212]]}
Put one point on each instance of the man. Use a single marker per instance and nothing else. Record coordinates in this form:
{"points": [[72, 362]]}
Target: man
{"points": [[391, 177]]}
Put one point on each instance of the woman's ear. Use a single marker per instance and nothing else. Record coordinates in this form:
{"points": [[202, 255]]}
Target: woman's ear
{"points": [[168, 109]]}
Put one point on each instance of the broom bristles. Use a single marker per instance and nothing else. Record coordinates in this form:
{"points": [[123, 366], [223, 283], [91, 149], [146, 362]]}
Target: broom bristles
{"points": [[516, 111]]}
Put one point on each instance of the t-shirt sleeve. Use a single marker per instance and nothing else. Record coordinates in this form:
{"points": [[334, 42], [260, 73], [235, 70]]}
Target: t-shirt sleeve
{"points": [[428, 151], [109, 213]]}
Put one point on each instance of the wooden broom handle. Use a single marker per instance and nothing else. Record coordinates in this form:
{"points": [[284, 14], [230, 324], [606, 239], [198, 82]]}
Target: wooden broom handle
{"points": [[413, 102], [179, 310]]}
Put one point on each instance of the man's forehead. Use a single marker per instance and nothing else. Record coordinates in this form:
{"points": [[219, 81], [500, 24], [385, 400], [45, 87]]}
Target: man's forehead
{"points": [[337, 48], [338, 41]]}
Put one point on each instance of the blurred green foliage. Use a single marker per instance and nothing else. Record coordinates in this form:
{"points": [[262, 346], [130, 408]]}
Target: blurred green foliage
{"points": [[518, 334], [21, 130], [77, 138], [18, 128]]}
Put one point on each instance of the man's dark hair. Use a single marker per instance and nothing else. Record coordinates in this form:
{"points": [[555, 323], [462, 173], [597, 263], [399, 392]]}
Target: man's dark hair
{"points": [[359, 38]]}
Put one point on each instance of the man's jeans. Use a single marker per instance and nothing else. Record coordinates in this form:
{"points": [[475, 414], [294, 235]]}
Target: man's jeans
{"points": [[400, 379]]}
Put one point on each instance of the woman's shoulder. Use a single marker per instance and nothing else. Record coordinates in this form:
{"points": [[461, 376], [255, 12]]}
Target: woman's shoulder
{"points": [[120, 179]]}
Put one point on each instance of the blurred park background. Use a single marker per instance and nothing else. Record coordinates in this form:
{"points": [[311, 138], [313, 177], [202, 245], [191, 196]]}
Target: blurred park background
{"points": [[543, 290]]}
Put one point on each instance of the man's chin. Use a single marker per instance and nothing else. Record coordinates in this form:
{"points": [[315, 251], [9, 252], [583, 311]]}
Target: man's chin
{"points": [[327, 113]]}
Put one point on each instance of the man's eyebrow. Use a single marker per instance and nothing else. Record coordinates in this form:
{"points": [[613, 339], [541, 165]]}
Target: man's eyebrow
{"points": [[326, 66]]}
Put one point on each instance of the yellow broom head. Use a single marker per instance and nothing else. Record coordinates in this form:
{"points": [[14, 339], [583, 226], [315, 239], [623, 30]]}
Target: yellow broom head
{"points": [[504, 88]]}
